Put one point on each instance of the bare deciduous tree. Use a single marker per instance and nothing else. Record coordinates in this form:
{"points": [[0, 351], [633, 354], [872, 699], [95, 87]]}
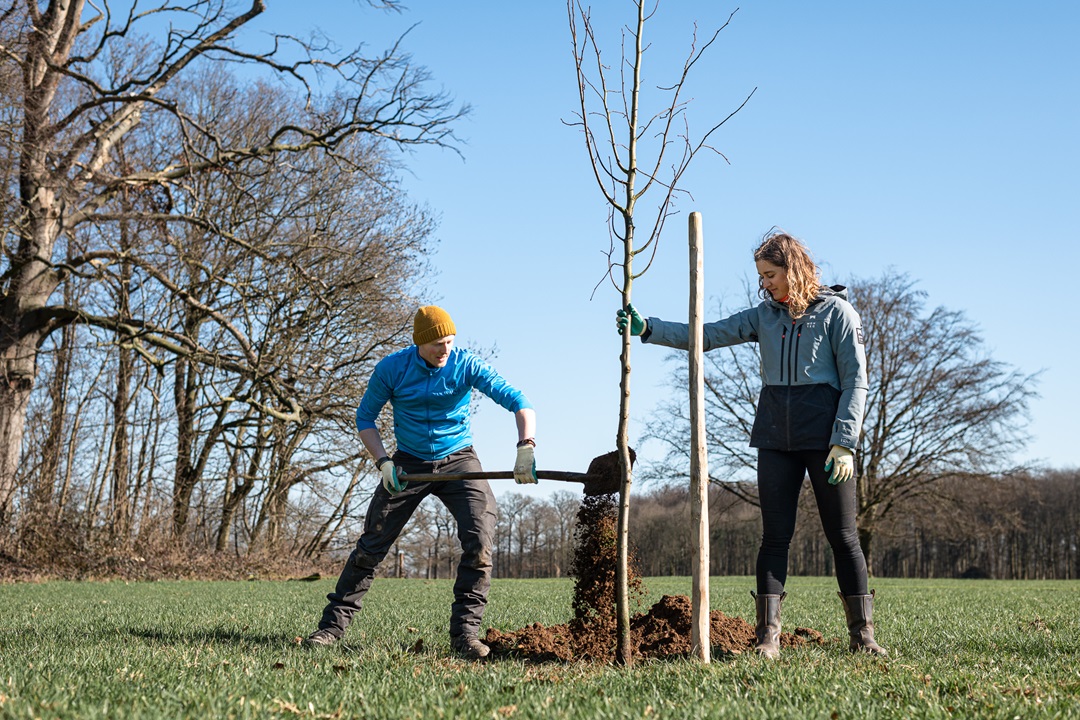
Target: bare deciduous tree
{"points": [[939, 407], [87, 84]]}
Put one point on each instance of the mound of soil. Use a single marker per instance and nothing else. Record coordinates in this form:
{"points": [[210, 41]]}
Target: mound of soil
{"points": [[663, 631]]}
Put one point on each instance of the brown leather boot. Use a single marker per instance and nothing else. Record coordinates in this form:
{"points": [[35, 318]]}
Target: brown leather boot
{"points": [[767, 631], [859, 610]]}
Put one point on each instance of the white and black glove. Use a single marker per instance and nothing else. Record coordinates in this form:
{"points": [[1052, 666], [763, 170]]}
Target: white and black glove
{"points": [[525, 465], [390, 479], [842, 462]]}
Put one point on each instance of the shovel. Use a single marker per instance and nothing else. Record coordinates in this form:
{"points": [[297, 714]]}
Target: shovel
{"points": [[602, 477]]}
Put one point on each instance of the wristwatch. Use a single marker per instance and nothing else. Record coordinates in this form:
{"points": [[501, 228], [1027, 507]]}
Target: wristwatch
{"points": [[527, 441]]}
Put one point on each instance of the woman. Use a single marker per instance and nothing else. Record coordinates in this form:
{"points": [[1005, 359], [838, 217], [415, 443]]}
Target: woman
{"points": [[808, 421]]}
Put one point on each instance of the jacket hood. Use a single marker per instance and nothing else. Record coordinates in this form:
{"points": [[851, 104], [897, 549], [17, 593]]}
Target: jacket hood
{"points": [[826, 291], [839, 291]]}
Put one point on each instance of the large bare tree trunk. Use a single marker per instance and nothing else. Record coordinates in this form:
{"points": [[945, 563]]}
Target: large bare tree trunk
{"points": [[33, 280], [43, 193], [14, 397]]}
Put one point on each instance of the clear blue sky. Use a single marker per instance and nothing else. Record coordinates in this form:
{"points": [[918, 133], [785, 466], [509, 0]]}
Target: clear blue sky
{"points": [[939, 139]]}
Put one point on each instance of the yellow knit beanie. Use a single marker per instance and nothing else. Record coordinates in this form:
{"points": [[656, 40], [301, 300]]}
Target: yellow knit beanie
{"points": [[431, 323]]}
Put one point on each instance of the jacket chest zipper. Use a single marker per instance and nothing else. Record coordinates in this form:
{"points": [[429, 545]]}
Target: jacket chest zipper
{"points": [[783, 344], [427, 403], [788, 364], [793, 352], [792, 348]]}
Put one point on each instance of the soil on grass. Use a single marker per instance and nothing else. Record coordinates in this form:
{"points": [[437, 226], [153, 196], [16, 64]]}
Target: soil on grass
{"points": [[663, 631]]}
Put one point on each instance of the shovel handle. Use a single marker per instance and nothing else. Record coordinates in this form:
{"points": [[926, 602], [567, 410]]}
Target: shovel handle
{"points": [[495, 475]]}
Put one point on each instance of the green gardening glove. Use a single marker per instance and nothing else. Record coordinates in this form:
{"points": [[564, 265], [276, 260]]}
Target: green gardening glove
{"points": [[391, 479], [630, 317]]}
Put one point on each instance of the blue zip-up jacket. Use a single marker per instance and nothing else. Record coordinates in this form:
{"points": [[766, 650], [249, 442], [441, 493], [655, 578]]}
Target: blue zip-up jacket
{"points": [[431, 405], [813, 370]]}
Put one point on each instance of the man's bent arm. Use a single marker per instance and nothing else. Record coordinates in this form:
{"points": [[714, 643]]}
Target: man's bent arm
{"points": [[373, 443], [526, 423]]}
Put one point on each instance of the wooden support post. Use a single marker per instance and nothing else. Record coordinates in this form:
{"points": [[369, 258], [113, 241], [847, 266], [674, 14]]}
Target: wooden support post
{"points": [[699, 456]]}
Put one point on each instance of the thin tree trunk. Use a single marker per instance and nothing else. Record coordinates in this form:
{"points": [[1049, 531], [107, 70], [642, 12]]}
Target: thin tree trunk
{"points": [[230, 499], [69, 462], [99, 478], [45, 484], [866, 535], [317, 544], [120, 510], [142, 472], [184, 477], [158, 426], [232, 502], [189, 466], [623, 650]]}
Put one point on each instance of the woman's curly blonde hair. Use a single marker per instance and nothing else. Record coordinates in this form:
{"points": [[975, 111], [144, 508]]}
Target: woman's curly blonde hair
{"points": [[804, 279]]}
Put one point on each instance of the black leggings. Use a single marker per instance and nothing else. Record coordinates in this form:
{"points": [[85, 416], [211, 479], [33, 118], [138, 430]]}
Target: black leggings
{"points": [[780, 478]]}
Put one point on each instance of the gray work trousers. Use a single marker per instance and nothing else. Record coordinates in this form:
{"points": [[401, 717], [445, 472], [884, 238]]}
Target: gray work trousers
{"points": [[472, 504]]}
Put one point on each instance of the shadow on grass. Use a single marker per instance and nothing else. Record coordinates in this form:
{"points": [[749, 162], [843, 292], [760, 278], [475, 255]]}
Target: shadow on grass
{"points": [[215, 635], [672, 659]]}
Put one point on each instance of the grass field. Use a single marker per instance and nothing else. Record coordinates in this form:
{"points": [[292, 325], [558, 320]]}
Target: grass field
{"points": [[960, 649]]}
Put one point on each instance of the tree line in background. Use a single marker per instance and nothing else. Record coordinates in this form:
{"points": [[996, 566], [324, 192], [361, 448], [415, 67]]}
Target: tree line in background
{"points": [[1018, 527], [203, 259]]}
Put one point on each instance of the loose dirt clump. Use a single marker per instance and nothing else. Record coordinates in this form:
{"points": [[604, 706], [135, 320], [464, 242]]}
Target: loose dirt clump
{"points": [[663, 631], [592, 633]]}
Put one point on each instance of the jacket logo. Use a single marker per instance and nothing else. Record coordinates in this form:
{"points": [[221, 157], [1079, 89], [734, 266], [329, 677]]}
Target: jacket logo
{"points": [[446, 388], [859, 336]]}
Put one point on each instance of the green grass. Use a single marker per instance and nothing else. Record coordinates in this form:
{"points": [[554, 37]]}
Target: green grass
{"points": [[960, 649]]}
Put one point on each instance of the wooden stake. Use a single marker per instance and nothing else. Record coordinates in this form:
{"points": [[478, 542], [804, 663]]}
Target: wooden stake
{"points": [[699, 456]]}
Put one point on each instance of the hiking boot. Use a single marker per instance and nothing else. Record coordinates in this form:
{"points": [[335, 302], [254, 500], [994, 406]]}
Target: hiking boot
{"points": [[767, 630], [320, 638], [859, 611], [469, 647]]}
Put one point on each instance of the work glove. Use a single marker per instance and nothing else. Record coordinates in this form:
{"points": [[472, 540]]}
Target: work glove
{"points": [[842, 463], [525, 465], [630, 317], [390, 479]]}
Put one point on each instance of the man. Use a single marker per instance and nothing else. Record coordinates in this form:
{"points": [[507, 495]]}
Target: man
{"points": [[429, 386]]}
